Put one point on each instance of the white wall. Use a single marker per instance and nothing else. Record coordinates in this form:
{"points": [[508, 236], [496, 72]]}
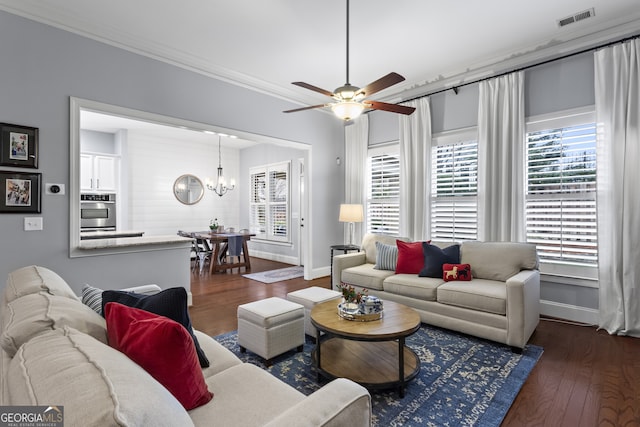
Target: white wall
{"points": [[154, 165]]}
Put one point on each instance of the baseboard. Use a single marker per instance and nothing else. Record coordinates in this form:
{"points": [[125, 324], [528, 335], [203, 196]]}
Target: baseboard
{"points": [[320, 272], [275, 257], [569, 312]]}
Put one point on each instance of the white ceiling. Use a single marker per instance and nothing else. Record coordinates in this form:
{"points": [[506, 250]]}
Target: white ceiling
{"points": [[266, 45]]}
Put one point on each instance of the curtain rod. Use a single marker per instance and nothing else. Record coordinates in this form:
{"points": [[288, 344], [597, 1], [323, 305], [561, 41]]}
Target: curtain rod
{"points": [[456, 87]]}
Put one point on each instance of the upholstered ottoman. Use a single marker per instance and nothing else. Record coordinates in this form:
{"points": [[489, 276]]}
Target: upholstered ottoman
{"points": [[309, 297], [270, 327]]}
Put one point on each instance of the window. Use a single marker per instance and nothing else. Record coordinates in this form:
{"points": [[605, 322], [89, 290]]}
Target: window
{"points": [[454, 186], [561, 192], [383, 193], [269, 217]]}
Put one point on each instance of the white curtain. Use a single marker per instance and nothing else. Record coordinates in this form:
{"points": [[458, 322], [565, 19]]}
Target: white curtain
{"points": [[617, 73], [501, 159], [415, 166], [356, 137]]}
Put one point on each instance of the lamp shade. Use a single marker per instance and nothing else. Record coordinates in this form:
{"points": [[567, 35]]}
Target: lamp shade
{"points": [[351, 213]]}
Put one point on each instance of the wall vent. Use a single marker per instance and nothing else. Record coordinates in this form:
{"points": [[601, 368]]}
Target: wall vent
{"points": [[589, 13]]}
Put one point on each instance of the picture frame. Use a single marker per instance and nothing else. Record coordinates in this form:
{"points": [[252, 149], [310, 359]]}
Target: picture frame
{"points": [[20, 192], [18, 146]]}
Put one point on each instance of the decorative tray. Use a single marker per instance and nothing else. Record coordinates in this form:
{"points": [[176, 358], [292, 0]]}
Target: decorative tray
{"points": [[351, 311]]}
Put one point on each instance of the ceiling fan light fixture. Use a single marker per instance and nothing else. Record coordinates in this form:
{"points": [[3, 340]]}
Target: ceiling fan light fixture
{"points": [[347, 110]]}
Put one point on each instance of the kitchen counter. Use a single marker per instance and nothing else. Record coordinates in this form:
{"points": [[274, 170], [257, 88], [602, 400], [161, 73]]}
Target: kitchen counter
{"points": [[91, 235], [123, 242]]}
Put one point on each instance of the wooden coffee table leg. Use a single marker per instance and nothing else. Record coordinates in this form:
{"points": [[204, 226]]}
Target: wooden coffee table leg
{"points": [[318, 354], [401, 365]]}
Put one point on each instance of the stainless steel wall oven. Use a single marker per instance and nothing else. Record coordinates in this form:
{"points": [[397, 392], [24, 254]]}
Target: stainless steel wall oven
{"points": [[97, 212]]}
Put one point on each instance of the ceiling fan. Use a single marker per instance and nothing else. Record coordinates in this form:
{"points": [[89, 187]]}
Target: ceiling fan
{"points": [[350, 100]]}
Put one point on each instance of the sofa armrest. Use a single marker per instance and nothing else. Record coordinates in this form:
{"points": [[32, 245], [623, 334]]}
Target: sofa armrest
{"points": [[340, 262], [523, 306], [341, 402]]}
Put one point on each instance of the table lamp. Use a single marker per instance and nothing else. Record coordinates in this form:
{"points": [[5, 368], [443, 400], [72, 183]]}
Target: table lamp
{"points": [[351, 214]]}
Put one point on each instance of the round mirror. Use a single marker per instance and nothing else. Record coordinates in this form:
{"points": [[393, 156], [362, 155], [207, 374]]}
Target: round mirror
{"points": [[188, 189]]}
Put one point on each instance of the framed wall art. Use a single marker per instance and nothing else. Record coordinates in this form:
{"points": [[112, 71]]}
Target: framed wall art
{"points": [[19, 146], [19, 192]]}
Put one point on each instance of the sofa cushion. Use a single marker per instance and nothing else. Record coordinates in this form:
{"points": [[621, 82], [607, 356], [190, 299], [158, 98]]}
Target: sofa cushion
{"points": [[412, 286], [435, 258], [410, 257], [171, 303], [163, 347], [461, 272], [365, 276], [96, 384], [34, 279], [369, 244], [386, 256], [498, 260], [247, 396], [34, 314], [478, 294]]}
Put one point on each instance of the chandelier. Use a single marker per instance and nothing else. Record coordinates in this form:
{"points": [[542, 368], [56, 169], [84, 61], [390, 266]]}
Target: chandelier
{"points": [[221, 187]]}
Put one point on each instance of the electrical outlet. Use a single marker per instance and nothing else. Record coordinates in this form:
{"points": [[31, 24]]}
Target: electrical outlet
{"points": [[54, 189], [32, 223]]}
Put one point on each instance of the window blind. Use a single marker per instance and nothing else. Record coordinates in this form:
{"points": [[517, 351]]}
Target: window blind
{"points": [[454, 190], [561, 194], [383, 201]]}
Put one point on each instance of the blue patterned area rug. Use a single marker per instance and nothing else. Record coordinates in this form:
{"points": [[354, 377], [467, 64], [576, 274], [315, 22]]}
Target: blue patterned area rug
{"points": [[279, 275], [463, 380]]}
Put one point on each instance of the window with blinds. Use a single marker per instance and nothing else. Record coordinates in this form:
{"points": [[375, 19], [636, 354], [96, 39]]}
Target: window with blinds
{"points": [[561, 194], [269, 204], [454, 188], [383, 192]]}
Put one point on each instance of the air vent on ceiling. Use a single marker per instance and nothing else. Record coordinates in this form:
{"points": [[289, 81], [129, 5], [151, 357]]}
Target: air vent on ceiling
{"points": [[589, 13]]}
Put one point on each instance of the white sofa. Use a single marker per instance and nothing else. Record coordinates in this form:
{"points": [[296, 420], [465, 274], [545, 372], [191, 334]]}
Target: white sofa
{"points": [[55, 353], [501, 303]]}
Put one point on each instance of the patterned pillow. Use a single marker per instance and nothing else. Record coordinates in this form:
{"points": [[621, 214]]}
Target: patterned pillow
{"points": [[460, 272], [386, 256], [92, 297]]}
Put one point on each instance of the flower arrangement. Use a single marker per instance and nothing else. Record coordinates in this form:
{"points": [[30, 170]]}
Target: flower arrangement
{"points": [[213, 224], [350, 295]]}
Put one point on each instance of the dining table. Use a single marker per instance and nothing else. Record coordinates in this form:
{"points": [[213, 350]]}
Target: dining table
{"points": [[226, 247]]}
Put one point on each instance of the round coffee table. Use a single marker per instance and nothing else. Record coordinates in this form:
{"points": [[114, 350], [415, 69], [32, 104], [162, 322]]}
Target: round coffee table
{"points": [[372, 353]]}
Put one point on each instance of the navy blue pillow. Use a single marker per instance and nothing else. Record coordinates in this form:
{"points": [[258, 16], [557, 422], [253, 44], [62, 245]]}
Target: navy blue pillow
{"points": [[434, 257], [171, 303]]}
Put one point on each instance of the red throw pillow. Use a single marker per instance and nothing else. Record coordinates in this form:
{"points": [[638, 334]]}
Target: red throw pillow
{"points": [[162, 347], [410, 257], [460, 272]]}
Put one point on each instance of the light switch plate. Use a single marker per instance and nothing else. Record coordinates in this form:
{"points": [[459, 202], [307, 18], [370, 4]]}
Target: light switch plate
{"points": [[32, 223]]}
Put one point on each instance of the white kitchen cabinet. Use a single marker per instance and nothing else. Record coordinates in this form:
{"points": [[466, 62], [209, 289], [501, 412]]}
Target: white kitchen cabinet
{"points": [[98, 173]]}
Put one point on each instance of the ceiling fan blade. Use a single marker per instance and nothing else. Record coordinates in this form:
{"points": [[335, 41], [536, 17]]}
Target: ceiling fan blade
{"points": [[305, 108], [314, 88], [394, 108], [380, 84]]}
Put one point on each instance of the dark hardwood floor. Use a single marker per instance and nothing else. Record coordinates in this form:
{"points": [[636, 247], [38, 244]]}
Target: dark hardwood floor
{"points": [[584, 378]]}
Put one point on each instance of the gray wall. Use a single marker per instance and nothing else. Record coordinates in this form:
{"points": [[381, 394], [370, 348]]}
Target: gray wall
{"points": [[556, 86], [48, 65]]}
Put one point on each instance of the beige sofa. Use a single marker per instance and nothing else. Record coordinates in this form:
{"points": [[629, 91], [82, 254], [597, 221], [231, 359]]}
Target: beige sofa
{"points": [[55, 353], [500, 303]]}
